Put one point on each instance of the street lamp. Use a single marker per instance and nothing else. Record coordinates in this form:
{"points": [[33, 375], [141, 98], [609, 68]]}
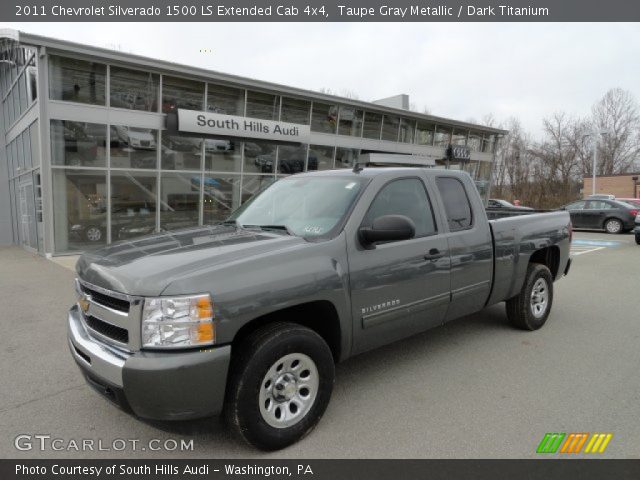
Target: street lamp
{"points": [[595, 153]]}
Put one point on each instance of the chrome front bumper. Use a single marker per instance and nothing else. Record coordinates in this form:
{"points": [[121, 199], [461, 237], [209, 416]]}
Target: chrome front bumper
{"points": [[102, 360], [173, 385]]}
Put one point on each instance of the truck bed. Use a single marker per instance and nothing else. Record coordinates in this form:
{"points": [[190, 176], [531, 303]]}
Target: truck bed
{"points": [[520, 236]]}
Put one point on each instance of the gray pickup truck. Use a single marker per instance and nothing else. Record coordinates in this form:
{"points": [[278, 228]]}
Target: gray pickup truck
{"points": [[248, 317]]}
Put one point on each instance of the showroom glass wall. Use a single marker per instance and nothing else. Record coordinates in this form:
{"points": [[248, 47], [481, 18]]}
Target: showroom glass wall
{"points": [[112, 182], [19, 94]]}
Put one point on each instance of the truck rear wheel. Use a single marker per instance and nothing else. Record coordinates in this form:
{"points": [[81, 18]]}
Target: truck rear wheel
{"points": [[280, 384], [530, 308]]}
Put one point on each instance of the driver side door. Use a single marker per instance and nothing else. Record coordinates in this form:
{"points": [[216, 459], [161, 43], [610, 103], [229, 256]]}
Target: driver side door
{"points": [[402, 287]]}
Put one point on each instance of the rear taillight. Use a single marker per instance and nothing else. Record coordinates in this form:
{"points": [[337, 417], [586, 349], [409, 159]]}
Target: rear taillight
{"points": [[634, 212]]}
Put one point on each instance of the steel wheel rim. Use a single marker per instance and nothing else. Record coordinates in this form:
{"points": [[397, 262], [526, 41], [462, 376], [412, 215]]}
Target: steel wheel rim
{"points": [[613, 226], [94, 234], [288, 390], [539, 297]]}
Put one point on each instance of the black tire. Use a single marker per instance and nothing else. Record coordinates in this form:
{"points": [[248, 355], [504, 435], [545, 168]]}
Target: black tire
{"points": [[638, 238], [254, 358], [613, 226], [520, 309]]}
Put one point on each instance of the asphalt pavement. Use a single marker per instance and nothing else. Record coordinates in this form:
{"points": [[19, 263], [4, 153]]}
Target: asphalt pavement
{"points": [[474, 388]]}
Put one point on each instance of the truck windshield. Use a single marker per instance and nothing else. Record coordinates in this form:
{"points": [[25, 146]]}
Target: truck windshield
{"points": [[302, 206]]}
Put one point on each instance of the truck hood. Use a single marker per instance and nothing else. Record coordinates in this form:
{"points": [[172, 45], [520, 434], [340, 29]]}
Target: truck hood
{"points": [[146, 266]]}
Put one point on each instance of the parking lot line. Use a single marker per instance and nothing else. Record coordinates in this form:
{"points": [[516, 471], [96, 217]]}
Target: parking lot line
{"points": [[578, 250]]}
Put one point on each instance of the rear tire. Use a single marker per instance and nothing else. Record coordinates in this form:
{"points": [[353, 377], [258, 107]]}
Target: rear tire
{"points": [[280, 383], [613, 225], [530, 309]]}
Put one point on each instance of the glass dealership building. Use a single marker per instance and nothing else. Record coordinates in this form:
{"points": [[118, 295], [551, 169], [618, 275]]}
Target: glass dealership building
{"points": [[86, 157]]}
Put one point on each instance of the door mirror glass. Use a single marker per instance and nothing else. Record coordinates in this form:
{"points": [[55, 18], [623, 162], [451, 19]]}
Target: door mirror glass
{"points": [[388, 228]]}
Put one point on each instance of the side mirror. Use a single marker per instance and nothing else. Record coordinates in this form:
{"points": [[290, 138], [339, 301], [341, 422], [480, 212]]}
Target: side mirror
{"points": [[388, 228]]}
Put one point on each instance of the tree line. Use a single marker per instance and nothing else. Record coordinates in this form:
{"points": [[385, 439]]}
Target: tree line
{"points": [[549, 172]]}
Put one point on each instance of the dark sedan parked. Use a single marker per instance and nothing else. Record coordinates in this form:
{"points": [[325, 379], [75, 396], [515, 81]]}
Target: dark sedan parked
{"points": [[610, 215]]}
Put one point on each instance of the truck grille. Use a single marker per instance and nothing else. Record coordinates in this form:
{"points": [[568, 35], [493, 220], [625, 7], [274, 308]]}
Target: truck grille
{"points": [[113, 316], [110, 331], [107, 300]]}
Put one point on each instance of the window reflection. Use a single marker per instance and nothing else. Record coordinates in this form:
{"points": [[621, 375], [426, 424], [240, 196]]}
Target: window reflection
{"points": [[459, 137], [291, 159], [442, 136], [324, 117], [346, 157], [295, 111], [259, 157], [425, 133], [133, 204], [180, 200], [79, 209], [76, 80], [134, 89], [320, 158], [221, 195], [133, 147], [181, 93], [372, 125], [407, 129], [390, 127], [181, 152], [225, 100], [78, 143], [222, 155], [350, 121], [262, 105]]}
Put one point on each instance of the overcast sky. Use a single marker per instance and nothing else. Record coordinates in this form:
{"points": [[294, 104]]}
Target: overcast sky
{"points": [[458, 70]]}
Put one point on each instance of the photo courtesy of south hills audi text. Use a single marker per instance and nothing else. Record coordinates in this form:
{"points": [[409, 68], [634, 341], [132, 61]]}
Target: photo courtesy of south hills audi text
{"points": [[257, 238]]}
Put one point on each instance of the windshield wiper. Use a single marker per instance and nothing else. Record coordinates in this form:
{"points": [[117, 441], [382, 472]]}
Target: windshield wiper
{"points": [[283, 228]]}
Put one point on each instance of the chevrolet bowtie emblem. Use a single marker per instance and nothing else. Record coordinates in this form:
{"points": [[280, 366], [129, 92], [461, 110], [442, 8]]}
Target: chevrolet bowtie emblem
{"points": [[84, 303]]}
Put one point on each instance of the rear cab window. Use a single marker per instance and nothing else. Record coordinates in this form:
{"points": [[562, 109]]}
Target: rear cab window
{"points": [[456, 203]]}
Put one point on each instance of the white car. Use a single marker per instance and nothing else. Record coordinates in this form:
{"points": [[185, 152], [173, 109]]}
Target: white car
{"points": [[139, 138]]}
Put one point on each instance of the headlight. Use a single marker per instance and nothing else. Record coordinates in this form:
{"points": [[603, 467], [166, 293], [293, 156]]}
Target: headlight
{"points": [[178, 322]]}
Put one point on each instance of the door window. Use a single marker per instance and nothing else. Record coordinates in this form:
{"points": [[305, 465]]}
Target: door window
{"points": [[406, 197], [576, 206], [599, 205], [456, 203]]}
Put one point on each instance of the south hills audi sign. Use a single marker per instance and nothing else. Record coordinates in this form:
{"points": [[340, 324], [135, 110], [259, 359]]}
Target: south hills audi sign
{"points": [[208, 123]]}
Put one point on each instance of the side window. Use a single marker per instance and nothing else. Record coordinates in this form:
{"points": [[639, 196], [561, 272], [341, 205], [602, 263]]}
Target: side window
{"points": [[576, 206], [406, 197], [456, 203]]}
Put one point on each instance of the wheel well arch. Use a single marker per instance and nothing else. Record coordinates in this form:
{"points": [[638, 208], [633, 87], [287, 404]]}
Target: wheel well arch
{"points": [[548, 256], [320, 316]]}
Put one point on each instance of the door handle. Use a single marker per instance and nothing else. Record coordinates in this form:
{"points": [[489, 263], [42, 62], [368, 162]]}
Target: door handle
{"points": [[433, 254]]}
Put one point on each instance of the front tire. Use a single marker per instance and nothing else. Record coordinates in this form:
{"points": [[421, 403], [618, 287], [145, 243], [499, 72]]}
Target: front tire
{"points": [[613, 225], [280, 383], [530, 309]]}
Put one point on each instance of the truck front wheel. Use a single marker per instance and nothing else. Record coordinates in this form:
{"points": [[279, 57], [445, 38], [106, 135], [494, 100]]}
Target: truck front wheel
{"points": [[530, 308], [280, 384]]}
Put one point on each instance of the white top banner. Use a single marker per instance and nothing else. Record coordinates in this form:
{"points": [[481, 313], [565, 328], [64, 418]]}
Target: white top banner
{"points": [[231, 125]]}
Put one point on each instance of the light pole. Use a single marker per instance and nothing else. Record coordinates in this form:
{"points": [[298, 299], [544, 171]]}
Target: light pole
{"points": [[595, 153]]}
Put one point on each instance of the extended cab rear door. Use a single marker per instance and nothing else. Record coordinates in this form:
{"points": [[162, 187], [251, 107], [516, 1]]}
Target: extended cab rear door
{"points": [[469, 241], [402, 287]]}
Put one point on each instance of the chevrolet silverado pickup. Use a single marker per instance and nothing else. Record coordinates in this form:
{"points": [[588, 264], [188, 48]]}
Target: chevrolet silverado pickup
{"points": [[249, 316]]}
